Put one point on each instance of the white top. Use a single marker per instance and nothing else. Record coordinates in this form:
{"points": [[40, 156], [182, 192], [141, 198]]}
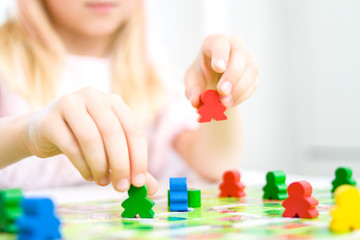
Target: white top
{"points": [[80, 72]]}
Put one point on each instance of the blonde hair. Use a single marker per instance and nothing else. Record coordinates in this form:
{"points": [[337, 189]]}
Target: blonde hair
{"points": [[32, 54]]}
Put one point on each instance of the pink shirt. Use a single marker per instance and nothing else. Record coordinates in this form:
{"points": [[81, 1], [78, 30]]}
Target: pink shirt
{"points": [[34, 172]]}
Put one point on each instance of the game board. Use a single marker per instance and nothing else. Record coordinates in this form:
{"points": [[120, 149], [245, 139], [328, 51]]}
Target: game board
{"points": [[218, 218]]}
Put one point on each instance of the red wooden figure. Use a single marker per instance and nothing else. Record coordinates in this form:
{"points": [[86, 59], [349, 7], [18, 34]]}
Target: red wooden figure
{"points": [[211, 107], [231, 185], [300, 203]]}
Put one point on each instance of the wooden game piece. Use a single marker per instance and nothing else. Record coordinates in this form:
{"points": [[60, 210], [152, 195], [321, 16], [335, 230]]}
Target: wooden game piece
{"points": [[211, 107], [194, 197], [39, 220], [342, 176], [275, 187], [346, 211], [231, 185], [178, 196], [10, 209], [138, 203], [300, 203]]}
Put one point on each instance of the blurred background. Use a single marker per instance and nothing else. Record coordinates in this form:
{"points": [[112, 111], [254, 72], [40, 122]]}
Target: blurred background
{"points": [[304, 117]]}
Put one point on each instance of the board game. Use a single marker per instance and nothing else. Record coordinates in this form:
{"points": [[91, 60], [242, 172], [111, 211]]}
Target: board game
{"points": [[218, 218]]}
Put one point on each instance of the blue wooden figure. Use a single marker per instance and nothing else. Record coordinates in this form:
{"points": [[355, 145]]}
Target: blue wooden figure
{"points": [[178, 196], [39, 220]]}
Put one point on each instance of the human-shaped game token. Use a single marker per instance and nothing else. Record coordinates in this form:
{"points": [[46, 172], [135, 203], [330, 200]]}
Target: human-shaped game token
{"points": [[211, 107], [346, 212], [300, 203], [10, 209], [138, 203], [342, 176], [231, 185], [178, 194], [39, 220], [275, 187]]}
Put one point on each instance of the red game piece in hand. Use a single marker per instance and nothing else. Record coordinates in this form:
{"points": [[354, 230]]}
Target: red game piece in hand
{"points": [[231, 185], [300, 203], [211, 107]]}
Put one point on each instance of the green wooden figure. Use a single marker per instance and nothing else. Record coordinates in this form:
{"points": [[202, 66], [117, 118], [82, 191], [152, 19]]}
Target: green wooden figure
{"points": [[342, 176], [194, 198], [275, 187], [138, 203], [10, 209]]}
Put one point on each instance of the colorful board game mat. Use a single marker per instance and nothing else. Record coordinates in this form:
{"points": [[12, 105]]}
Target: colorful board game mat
{"points": [[217, 218]]}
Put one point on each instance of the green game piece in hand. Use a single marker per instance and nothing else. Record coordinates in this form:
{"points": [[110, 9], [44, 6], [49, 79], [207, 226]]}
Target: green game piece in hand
{"points": [[10, 209], [138, 203], [275, 187], [194, 198], [342, 176]]}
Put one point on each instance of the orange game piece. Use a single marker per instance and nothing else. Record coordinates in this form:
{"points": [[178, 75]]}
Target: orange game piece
{"points": [[211, 107], [300, 203], [231, 185]]}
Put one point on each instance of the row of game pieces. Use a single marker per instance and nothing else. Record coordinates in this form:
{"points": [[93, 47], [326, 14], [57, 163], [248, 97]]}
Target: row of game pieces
{"points": [[298, 201], [178, 195], [30, 218], [297, 197], [276, 188], [22, 215]]}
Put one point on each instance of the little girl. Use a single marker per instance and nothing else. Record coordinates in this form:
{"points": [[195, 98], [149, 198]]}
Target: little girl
{"points": [[78, 94]]}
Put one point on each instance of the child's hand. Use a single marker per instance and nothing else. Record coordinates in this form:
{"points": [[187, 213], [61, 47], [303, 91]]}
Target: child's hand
{"points": [[223, 62], [99, 134]]}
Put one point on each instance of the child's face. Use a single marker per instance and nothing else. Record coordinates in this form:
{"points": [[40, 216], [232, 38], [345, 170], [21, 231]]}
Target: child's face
{"points": [[89, 17]]}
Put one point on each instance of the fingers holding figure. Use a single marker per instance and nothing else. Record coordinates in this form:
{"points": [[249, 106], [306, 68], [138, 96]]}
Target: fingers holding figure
{"points": [[225, 64], [100, 135]]}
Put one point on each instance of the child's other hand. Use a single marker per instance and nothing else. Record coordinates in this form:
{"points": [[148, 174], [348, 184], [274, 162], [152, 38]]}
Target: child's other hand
{"points": [[99, 134], [223, 62]]}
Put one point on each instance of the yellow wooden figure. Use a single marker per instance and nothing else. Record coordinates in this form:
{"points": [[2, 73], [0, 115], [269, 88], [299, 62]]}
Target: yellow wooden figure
{"points": [[346, 212]]}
